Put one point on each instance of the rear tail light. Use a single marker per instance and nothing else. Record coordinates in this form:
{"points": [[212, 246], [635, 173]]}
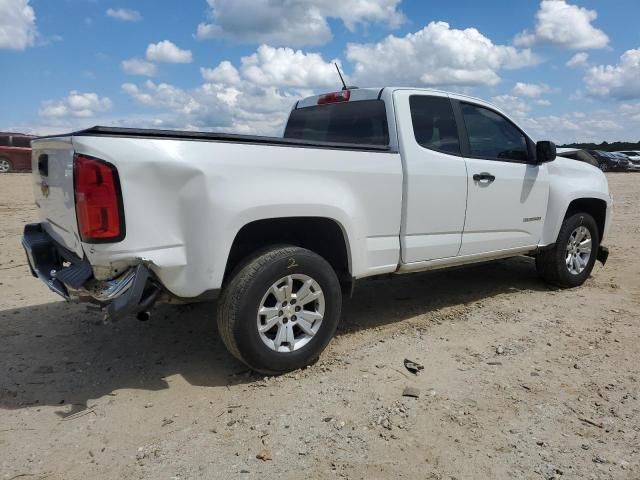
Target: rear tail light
{"points": [[335, 97], [99, 209]]}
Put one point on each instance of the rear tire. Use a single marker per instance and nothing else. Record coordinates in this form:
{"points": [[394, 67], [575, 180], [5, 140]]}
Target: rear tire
{"points": [[280, 309], [570, 262], [5, 165]]}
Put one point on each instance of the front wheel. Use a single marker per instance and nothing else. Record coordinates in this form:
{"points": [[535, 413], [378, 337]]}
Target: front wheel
{"points": [[280, 309], [603, 167], [570, 261]]}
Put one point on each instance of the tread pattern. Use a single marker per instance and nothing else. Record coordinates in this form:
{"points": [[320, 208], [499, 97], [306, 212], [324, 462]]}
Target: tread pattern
{"points": [[546, 266], [232, 294]]}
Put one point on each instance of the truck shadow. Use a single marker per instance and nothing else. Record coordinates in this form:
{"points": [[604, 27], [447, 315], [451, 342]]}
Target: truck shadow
{"points": [[62, 354]]}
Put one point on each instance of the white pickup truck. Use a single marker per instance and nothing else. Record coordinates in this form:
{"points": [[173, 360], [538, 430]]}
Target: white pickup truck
{"points": [[364, 182]]}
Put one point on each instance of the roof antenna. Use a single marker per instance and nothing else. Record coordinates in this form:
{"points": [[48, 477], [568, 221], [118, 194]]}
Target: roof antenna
{"points": [[344, 85]]}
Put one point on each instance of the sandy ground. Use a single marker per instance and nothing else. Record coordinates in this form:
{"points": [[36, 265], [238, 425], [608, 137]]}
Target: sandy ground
{"points": [[520, 380]]}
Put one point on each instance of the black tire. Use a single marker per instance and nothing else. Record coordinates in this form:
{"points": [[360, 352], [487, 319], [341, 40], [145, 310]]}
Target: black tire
{"points": [[240, 300], [551, 264], [5, 165]]}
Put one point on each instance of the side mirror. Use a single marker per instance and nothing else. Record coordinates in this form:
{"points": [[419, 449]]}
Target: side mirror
{"points": [[545, 151]]}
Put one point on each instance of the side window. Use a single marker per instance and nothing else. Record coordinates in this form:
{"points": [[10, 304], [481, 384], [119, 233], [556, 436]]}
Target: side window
{"points": [[434, 125], [5, 141], [493, 136], [22, 142]]}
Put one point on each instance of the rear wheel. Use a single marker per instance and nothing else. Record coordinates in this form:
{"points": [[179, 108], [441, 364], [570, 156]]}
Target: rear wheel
{"points": [[5, 165], [570, 261], [280, 309]]}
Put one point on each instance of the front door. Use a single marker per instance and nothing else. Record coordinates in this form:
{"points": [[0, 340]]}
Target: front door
{"points": [[508, 192]]}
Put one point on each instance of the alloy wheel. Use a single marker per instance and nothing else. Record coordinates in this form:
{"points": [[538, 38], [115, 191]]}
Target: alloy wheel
{"points": [[578, 250], [290, 313]]}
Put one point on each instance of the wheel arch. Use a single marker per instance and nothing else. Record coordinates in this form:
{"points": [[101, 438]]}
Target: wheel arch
{"points": [[561, 206], [325, 236], [595, 207]]}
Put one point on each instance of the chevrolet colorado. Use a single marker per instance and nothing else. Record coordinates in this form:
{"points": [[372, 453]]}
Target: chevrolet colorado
{"points": [[364, 182]]}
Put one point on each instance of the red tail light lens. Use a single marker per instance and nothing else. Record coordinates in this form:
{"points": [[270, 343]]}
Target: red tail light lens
{"points": [[335, 97], [98, 200]]}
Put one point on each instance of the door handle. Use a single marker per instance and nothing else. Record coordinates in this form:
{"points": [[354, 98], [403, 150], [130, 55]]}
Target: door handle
{"points": [[478, 177]]}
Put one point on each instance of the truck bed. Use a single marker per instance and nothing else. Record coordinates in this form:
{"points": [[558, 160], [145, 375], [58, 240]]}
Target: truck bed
{"points": [[186, 195]]}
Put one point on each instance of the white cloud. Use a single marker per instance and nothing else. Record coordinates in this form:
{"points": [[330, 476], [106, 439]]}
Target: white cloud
{"points": [[225, 72], [578, 60], [611, 124], [512, 106], [564, 25], [632, 110], [254, 97], [531, 90], [577, 127], [124, 14], [288, 68], [435, 55], [292, 22], [138, 66], [167, 52], [17, 24], [76, 104], [621, 81], [543, 103]]}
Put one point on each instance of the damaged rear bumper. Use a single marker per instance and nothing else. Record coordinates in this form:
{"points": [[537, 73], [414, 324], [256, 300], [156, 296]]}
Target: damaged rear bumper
{"points": [[67, 275]]}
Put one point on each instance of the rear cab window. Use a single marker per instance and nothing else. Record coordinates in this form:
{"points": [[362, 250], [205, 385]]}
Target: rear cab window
{"points": [[363, 122]]}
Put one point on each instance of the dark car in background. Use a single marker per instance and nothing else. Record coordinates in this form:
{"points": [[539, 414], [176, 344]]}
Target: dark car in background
{"points": [[634, 159], [610, 162], [15, 152]]}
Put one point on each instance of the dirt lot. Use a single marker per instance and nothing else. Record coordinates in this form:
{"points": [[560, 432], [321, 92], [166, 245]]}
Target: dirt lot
{"points": [[520, 381]]}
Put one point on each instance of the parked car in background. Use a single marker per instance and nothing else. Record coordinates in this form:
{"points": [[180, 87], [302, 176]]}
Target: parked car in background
{"points": [[580, 155], [623, 160], [634, 158], [15, 152], [609, 162]]}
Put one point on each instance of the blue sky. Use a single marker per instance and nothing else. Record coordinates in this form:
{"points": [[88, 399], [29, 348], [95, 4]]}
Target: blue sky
{"points": [[238, 65]]}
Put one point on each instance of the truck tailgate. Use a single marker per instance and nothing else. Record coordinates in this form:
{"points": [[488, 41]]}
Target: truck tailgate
{"points": [[52, 162]]}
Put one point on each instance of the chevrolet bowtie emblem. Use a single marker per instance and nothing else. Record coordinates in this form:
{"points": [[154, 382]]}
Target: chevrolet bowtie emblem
{"points": [[44, 188]]}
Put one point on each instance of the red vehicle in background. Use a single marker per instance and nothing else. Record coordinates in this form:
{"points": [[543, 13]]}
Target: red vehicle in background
{"points": [[15, 152]]}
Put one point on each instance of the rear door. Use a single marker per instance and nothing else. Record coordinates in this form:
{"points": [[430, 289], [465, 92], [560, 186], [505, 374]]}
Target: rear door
{"points": [[435, 176], [52, 163], [508, 192]]}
